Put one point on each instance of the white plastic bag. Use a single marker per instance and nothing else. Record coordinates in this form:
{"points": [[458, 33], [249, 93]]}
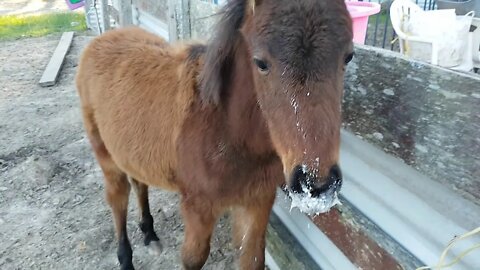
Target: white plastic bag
{"points": [[432, 23], [453, 45], [447, 30]]}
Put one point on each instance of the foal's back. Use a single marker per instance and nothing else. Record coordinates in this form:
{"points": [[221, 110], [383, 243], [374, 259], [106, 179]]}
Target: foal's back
{"points": [[135, 92]]}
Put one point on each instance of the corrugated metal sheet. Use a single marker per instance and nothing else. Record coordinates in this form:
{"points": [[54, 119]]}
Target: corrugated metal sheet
{"points": [[157, 8], [150, 23]]}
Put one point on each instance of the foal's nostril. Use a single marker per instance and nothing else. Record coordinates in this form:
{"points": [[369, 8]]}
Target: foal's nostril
{"points": [[299, 177], [334, 182], [335, 173]]}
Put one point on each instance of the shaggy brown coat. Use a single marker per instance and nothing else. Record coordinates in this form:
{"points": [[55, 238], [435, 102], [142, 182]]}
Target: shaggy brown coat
{"points": [[199, 120]]}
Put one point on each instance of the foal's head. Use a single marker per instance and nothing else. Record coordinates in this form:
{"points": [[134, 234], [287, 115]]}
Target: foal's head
{"points": [[298, 50]]}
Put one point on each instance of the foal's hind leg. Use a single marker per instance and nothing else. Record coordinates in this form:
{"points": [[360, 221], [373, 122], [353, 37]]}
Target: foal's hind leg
{"points": [[146, 220], [117, 190]]}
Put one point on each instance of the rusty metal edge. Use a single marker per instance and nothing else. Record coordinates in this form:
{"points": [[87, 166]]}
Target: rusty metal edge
{"points": [[315, 242]]}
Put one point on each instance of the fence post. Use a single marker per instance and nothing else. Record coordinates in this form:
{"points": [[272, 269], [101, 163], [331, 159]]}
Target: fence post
{"points": [[185, 19], [105, 16], [172, 21], [179, 19], [88, 4], [125, 12]]}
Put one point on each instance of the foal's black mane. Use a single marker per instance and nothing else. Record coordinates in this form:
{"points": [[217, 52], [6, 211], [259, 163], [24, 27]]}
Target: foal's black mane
{"points": [[220, 51]]}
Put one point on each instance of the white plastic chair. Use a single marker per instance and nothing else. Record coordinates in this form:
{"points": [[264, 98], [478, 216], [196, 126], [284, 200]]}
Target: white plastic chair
{"points": [[425, 48], [400, 11]]}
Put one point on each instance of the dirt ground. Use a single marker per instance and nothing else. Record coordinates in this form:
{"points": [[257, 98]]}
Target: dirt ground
{"points": [[52, 209]]}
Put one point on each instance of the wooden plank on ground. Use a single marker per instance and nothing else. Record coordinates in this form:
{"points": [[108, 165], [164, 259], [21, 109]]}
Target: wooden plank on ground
{"points": [[50, 75]]}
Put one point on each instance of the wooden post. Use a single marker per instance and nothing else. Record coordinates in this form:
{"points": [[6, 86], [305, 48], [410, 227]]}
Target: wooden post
{"points": [[186, 32], [105, 15], [125, 13], [88, 4], [172, 21], [179, 19]]}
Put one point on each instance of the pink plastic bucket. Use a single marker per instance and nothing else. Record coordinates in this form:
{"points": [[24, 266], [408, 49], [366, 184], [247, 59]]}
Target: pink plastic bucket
{"points": [[360, 11]]}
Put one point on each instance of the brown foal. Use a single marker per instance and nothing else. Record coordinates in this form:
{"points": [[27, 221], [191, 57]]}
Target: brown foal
{"points": [[224, 123]]}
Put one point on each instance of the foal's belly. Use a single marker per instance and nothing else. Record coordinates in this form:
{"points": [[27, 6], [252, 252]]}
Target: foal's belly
{"points": [[163, 179], [148, 158], [142, 149]]}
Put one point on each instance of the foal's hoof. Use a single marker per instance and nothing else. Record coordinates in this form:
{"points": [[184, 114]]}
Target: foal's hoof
{"points": [[155, 248], [127, 266]]}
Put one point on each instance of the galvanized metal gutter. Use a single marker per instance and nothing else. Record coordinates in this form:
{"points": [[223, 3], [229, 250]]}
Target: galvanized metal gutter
{"points": [[417, 212]]}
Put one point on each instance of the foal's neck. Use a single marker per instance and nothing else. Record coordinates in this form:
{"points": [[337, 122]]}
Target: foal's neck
{"points": [[245, 121]]}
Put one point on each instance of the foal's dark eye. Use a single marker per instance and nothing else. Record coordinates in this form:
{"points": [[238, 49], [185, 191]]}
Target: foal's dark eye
{"points": [[262, 65], [349, 58]]}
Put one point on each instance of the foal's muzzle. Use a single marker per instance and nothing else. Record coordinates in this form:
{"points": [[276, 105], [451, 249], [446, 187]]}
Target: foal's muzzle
{"points": [[304, 181]]}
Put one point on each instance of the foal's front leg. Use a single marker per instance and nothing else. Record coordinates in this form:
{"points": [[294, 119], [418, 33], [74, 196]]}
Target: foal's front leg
{"points": [[249, 228], [199, 219]]}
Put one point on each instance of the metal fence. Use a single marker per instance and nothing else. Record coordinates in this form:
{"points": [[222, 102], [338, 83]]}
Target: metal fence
{"points": [[380, 32]]}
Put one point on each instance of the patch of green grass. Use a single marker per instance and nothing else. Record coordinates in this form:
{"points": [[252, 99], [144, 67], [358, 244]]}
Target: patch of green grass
{"points": [[15, 26], [382, 17]]}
